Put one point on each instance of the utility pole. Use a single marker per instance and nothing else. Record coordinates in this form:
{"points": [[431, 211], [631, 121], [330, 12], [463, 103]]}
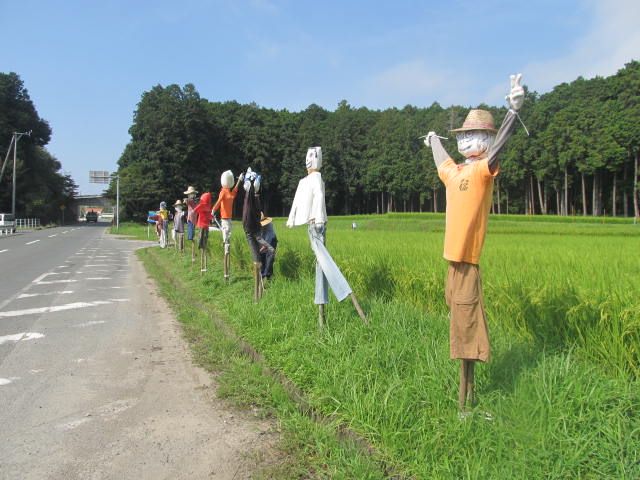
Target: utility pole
{"points": [[117, 201], [16, 137]]}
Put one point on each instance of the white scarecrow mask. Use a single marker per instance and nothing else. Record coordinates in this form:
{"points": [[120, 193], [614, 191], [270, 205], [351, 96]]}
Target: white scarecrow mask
{"points": [[474, 143], [226, 179], [249, 177], [314, 158], [476, 135]]}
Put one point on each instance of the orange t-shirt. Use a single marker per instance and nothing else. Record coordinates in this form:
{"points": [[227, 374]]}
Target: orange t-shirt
{"points": [[225, 202], [469, 195]]}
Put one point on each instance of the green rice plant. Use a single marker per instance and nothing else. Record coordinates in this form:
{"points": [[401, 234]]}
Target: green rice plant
{"points": [[560, 397]]}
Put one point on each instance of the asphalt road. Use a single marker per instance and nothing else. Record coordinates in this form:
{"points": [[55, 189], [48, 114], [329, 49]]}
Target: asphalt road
{"points": [[95, 379]]}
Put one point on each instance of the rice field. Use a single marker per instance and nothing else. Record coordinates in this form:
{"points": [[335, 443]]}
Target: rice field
{"points": [[560, 397]]}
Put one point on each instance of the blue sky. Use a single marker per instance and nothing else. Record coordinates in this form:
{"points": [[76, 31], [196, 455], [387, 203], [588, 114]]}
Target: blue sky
{"points": [[86, 63]]}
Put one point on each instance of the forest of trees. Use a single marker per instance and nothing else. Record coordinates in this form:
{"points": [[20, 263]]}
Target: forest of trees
{"points": [[581, 157], [40, 186]]}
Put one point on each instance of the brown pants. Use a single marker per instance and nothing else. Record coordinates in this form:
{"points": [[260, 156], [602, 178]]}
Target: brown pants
{"points": [[468, 335]]}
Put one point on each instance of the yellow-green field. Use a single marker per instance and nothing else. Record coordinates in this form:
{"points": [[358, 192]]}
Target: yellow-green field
{"points": [[563, 304]]}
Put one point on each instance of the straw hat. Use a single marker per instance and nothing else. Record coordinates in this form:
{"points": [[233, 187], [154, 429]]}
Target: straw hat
{"points": [[265, 220], [178, 203], [477, 120], [190, 190]]}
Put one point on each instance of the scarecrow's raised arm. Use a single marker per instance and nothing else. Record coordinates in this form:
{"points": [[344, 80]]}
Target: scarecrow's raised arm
{"points": [[439, 153], [515, 98]]}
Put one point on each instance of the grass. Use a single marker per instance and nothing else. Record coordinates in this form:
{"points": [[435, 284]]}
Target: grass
{"points": [[134, 231], [564, 314]]}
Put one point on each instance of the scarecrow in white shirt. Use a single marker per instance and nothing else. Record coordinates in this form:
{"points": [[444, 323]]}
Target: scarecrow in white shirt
{"points": [[309, 208]]}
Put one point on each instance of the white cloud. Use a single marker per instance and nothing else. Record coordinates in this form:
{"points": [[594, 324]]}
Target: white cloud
{"points": [[610, 41], [412, 82]]}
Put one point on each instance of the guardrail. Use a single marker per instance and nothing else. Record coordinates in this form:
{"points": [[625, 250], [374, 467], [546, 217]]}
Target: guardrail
{"points": [[20, 224], [27, 223]]}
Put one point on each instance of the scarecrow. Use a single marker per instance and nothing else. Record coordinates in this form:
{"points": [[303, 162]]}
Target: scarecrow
{"points": [[267, 257], [178, 225], [163, 225], [251, 224], [203, 210], [192, 218], [225, 205], [309, 209], [469, 188]]}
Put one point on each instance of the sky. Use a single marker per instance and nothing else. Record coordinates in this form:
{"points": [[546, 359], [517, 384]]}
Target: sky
{"points": [[87, 63]]}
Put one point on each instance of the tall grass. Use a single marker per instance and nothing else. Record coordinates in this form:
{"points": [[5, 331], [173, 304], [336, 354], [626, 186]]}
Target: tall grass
{"points": [[562, 387]]}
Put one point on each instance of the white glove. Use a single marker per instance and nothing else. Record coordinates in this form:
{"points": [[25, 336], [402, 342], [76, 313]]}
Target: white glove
{"points": [[516, 96], [290, 223], [427, 139], [241, 177]]}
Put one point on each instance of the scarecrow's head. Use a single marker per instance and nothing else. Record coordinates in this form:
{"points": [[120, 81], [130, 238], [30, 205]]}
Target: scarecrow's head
{"points": [[476, 135]]}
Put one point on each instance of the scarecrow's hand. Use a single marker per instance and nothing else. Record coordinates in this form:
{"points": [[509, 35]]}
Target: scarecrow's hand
{"points": [[290, 223], [516, 96], [241, 177], [427, 139]]}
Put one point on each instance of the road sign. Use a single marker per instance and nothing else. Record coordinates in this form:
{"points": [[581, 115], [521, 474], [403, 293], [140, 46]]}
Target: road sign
{"points": [[99, 176]]}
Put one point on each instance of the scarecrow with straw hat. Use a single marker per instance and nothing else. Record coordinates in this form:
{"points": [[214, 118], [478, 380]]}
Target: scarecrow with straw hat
{"points": [[192, 218], [178, 225], [469, 188], [225, 204]]}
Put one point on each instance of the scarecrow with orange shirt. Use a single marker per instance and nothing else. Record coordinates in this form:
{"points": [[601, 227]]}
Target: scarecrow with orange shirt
{"points": [[469, 188], [225, 205]]}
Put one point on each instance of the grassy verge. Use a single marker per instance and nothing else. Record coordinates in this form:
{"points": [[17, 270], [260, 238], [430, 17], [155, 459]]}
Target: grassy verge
{"points": [[135, 231], [310, 449], [562, 387]]}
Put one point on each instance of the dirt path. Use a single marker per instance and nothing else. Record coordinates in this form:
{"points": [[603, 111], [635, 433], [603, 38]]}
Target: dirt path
{"points": [[133, 407]]}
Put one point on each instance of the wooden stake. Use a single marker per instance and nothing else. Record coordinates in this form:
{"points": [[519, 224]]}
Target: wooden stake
{"points": [[358, 309], [321, 316], [462, 395]]}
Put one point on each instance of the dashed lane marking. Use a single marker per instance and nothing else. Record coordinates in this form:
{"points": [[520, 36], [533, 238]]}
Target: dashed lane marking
{"points": [[29, 295], [20, 337], [59, 308], [32, 242]]}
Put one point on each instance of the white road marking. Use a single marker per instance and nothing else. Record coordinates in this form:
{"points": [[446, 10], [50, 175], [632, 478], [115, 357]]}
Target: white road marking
{"points": [[54, 235], [89, 324], [29, 295], [66, 231], [34, 371], [98, 278], [5, 250], [19, 337], [7, 381], [73, 424], [31, 243], [51, 282], [57, 308]]}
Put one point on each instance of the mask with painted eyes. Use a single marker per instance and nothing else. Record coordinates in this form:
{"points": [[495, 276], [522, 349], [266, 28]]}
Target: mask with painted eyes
{"points": [[474, 143]]}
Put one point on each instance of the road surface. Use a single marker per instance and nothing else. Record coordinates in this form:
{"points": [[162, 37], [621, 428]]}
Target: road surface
{"points": [[95, 379]]}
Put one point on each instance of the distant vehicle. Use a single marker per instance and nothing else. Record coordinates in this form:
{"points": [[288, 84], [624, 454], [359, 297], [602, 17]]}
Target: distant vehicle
{"points": [[91, 217], [7, 222]]}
